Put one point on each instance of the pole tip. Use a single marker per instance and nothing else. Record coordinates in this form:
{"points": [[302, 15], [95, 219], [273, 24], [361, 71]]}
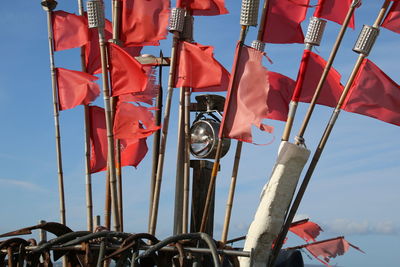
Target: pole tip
{"points": [[49, 5]]}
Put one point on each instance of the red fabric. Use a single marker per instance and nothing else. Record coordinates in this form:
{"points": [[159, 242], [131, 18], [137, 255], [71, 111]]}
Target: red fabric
{"points": [[329, 249], [283, 21], [392, 20], [279, 94], [132, 150], [247, 97], [127, 74], [144, 22], [92, 49], [75, 88], [332, 88], [204, 7], [307, 230], [334, 10], [133, 122], [374, 94], [199, 69], [70, 30]]}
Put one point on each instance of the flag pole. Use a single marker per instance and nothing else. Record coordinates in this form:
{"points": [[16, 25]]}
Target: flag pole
{"points": [[96, 19], [363, 46], [176, 26], [248, 17], [49, 6], [299, 138], [88, 176]]}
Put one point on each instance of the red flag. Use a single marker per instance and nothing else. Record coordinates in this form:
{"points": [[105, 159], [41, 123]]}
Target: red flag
{"points": [[374, 94], [127, 74], [70, 30], [392, 20], [144, 22], [133, 122], [311, 69], [204, 7], [247, 99], [283, 21], [132, 150], [305, 229], [200, 70], [75, 88], [328, 249], [334, 10]]}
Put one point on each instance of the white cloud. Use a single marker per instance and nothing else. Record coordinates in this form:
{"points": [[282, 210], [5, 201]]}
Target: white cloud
{"points": [[349, 227], [20, 184]]}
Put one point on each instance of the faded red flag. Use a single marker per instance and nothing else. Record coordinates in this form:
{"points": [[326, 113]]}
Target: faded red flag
{"points": [[204, 7], [127, 74], [374, 94], [132, 150], [247, 97], [392, 20], [311, 68], [75, 88], [144, 22], [200, 70], [70, 30], [283, 21], [305, 229], [133, 122], [334, 10]]}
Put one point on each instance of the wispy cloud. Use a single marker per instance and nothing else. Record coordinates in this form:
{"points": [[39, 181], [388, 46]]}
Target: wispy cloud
{"points": [[20, 184], [348, 227]]}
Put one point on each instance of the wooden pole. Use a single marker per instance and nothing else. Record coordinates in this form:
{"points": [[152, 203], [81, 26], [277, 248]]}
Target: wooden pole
{"points": [[49, 6], [186, 173], [107, 204], [322, 143]]}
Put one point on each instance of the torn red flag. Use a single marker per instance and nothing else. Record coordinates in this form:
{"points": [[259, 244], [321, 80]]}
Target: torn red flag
{"points": [[374, 94], [204, 7], [75, 88], [199, 69], [311, 68], [70, 30], [246, 101], [306, 230], [334, 10], [283, 21], [133, 122], [132, 150], [144, 22], [126, 73], [392, 19]]}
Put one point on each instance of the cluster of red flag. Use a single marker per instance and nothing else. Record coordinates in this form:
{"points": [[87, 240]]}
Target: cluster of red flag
{"points": [[204, 7]]}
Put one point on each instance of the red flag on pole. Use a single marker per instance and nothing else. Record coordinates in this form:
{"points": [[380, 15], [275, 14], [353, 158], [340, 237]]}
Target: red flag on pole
{"points": [[133, 122], [132, 150], [306, 230], [144, 22], [200, 70], [75, 88], [204, 7], [392, 20], [70, 30], [283, 21], [247, 99], [127, 74], [311, 73], [334, 10], [374, 94]]}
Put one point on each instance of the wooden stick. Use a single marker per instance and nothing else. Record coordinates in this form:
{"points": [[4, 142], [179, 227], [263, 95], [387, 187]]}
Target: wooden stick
{"points": [[49, 7], [186, 173], [321, 145]]}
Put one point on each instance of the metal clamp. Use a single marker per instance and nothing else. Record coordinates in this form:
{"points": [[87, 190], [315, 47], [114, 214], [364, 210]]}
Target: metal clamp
{"points": [[95, 13], [249, 12], [177, 19], [315, 31], [366, 40], [256, 44]]}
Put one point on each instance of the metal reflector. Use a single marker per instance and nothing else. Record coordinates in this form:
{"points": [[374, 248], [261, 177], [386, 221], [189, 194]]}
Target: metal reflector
{"points": [[249, 12], [95, 13], [366, 40], [256, 44], [315, 31], [177, 19]]}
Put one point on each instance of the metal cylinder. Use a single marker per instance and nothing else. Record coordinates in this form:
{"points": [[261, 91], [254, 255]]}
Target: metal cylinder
{"points": [[95, 13], [177, 19], [315, 31], [366, 40], [256, 44], [187, 33], [249, 12]]}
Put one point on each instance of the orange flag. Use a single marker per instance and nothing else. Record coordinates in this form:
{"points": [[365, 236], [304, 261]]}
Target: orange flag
{"points": [[305, 229], [204, 7]]}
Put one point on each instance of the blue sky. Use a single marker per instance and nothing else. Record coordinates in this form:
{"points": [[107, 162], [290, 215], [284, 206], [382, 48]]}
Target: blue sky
{"points": [[354, 190]]}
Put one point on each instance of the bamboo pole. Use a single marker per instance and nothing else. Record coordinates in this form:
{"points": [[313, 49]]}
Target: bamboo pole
{"points": [[49, 6], [186, 173], [107, 204], [160, 165], [322, 143]]}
